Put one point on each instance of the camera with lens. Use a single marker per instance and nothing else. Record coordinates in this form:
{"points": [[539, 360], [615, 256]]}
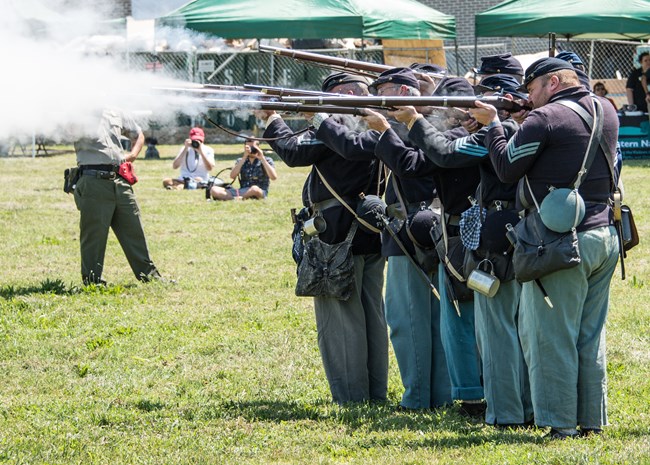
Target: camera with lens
{"points": [[196, 144], [189, 183]]}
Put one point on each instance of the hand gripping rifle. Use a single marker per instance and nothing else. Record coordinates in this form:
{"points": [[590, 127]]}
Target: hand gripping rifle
{"points": [[363, 68], [288, 92]]}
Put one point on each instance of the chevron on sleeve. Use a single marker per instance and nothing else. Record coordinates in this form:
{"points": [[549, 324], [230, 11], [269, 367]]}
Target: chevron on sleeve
{"points": [[516, 153], [464, 146]]}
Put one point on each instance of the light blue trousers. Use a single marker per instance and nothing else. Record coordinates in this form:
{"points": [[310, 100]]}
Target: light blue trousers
{"points": [[413, 315], [459, 342], [564, 346], [505, 375], [353, 337]]}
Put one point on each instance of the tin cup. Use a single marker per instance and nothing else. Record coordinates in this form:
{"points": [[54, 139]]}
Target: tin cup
{"points": [[484, 282], [314, 226]]}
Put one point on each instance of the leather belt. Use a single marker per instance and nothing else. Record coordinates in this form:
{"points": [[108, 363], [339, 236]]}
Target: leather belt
{"points": [[394, 209], [100, 167], [100, 174], [325, 204]]}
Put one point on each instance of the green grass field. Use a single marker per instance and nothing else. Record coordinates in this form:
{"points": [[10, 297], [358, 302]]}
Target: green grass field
{"points": [[223, 366]]}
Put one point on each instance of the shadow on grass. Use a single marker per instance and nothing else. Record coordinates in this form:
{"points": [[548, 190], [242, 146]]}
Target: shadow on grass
{"points": [[58, 287], [275, 411], [455, 429]]}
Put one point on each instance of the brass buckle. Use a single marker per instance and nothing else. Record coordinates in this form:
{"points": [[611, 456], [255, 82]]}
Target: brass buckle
{"points": [[108, 175]]}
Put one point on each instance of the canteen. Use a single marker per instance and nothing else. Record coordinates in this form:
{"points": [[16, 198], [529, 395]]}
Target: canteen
{"points": [[562, 210]]}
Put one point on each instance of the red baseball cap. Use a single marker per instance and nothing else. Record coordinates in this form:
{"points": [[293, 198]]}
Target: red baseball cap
{"points": [[197, 134]]}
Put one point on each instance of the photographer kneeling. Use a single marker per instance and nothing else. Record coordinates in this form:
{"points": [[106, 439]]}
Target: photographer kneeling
{"points": [[195, 160], [255, 172]]}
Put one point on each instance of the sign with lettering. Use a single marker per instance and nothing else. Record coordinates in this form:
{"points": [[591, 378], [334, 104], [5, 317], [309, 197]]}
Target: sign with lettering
{"points": [[206, 66], [634, 136]]}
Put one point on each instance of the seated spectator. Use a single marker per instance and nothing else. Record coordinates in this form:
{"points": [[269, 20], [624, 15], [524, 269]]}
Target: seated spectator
{"points": [[195, 160], [601, 91], [255, 171]]}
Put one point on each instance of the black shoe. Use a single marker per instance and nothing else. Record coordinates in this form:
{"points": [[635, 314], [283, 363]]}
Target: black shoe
{"points": [[557, 434], [402, 408], [473, 410], [589, 432], [96, 281], [530, 424], [153, 275], [508, 425]]}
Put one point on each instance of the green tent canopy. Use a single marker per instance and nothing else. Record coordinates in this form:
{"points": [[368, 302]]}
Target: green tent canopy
{"points": [[313, 19], [585, 19], [401, 19]]}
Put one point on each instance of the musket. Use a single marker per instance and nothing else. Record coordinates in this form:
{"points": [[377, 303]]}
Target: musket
{"points": [[287, 92], [500, 103], [240, 101], [344, 64], [250, 89], [245, 91], [267, 90], [228, 94], [222, 87], [212, 87], [226, 104]]}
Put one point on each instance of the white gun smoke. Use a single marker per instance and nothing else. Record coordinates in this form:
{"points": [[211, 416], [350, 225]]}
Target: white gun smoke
{"points": [[52, 89]]}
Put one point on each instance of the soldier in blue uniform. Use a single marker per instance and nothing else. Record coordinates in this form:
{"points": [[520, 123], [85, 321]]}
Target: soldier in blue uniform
{"points": [[352, 334], [564, 347]]}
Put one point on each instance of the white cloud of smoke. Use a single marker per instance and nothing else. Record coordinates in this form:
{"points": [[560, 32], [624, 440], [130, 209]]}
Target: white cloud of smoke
{"points": [[48, 86]]}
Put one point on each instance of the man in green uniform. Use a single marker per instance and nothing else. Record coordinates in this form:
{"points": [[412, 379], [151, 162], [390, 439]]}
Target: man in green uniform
{"points": [[105, 199]]}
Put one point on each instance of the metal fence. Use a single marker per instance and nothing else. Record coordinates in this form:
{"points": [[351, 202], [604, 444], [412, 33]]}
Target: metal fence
{"points": [[603, 59], [239, 67]]}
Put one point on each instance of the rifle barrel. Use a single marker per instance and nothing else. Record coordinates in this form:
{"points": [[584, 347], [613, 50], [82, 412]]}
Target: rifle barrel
{"points": [[269, 91], [284, 91], [222, 87], [389, 102], [215, 92], [226, 104], [342, 63]]}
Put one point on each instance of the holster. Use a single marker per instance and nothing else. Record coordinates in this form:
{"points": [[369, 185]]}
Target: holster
{"points": [[70, 179], [126, 172]]}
